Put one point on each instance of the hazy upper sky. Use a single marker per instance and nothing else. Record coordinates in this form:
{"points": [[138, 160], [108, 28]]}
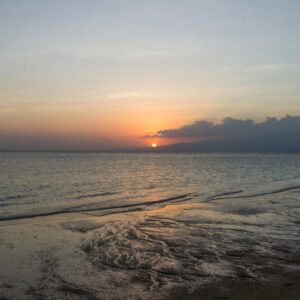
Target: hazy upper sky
{"points": [[100, 74]]}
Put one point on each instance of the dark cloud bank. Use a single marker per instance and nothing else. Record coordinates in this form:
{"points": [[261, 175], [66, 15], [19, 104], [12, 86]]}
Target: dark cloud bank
{"points": [[234, 135]]}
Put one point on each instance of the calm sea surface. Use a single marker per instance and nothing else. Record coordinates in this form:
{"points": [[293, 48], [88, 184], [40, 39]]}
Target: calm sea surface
{"points": [[32, 183]]}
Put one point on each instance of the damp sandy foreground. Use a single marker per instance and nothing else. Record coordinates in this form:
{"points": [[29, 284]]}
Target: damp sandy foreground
{"points": [[227, 247]]}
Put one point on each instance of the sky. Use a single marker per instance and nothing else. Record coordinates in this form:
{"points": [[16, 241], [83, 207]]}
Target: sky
{"points": [[101, 75]]}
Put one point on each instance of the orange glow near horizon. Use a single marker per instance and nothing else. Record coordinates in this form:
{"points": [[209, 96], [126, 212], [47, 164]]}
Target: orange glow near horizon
{"points": [[154, 145], [86, 129]]}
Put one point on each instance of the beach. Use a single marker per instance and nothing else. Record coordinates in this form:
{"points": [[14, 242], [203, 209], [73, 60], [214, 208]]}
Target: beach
{"points": [[235, 244], [173, 252]]}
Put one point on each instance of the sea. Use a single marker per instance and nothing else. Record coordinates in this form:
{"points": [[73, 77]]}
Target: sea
{"points": [[35, 183], [176, 218]]}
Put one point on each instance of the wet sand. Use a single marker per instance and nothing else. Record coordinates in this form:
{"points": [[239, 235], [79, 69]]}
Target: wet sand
{"points": [[219, 249]]}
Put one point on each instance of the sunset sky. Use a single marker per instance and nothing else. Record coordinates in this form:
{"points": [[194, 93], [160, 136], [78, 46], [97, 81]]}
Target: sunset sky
{"points": [[101, 74]]}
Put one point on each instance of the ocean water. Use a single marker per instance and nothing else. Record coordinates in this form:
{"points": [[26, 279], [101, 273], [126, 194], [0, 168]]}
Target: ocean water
{"points": [[33, 183], [160, 220]]}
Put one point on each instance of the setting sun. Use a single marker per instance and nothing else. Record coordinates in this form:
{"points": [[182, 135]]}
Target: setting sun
{"points": [[153, 145]]}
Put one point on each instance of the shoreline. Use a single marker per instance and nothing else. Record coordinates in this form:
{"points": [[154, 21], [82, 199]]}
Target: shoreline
{"points": [[155, 254]]}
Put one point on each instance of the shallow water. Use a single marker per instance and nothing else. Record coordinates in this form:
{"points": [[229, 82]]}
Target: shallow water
{"points": [[152, 222], [33, 183]]}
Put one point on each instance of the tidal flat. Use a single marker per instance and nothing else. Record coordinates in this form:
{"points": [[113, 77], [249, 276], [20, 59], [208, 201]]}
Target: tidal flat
{"points": [[220, 249]]}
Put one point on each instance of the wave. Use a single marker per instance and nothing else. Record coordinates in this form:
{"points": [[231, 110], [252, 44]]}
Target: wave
{"points": [[90, 207], [217, 197], [96, 195], [6, 204], [84, 208], [225, 194], [13, 197]]}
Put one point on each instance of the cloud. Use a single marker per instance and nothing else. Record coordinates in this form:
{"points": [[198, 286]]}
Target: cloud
{"points": [[235, 135], [137, 95], [153, 53], [271, 68], [235, 128]]}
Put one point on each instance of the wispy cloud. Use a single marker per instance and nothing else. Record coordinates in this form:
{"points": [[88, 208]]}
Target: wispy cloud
{"points": [[153, 53], [271, 68], [137, 95]]}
